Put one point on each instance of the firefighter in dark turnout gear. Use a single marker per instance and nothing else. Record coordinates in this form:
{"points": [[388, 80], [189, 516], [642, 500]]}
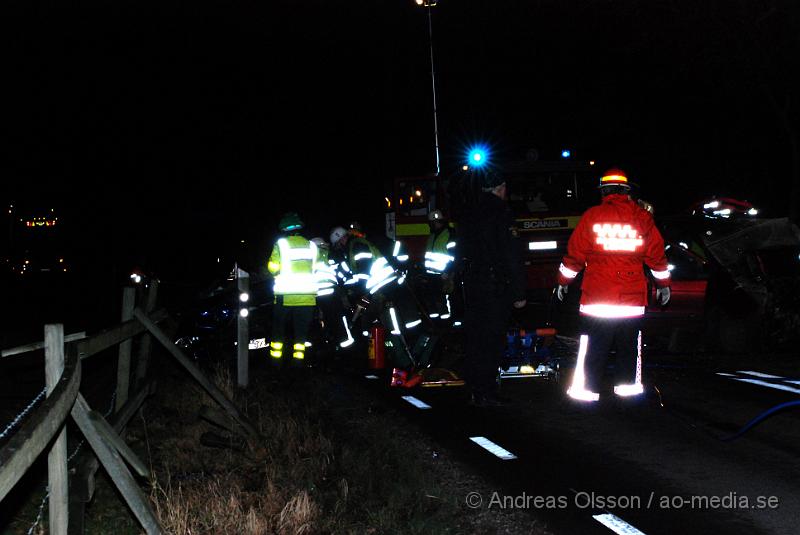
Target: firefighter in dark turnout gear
{"points": [[494, 282], [611, 244]]}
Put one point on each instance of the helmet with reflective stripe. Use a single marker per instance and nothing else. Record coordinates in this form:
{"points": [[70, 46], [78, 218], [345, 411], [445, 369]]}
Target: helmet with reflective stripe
{"points": [[290, 221], [614, 177], [355, 229]]}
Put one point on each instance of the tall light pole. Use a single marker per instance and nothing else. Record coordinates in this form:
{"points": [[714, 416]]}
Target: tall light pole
{"points": [[428, 4]]}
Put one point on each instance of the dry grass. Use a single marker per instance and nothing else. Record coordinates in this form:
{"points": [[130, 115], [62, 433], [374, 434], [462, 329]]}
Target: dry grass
{"points": [[327, 464]]}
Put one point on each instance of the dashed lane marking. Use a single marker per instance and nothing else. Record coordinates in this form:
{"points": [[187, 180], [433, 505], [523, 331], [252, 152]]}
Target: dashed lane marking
{"points": [[493, 448], [617, 525], [417, 402]]}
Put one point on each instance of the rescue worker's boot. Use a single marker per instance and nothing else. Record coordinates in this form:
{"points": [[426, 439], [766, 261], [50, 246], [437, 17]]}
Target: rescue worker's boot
{"points": [[299, 355], [275, 353]]}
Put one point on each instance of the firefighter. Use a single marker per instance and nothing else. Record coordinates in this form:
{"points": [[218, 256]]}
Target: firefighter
{"points": [[292, 264], [439, 259], [374, 289], [494, 282], [611, 243]]}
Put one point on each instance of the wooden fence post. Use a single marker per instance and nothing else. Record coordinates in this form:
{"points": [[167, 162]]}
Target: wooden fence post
{"points": [[146, 340], [124, 360], [57, 458], [242, 329], [195, 372]]}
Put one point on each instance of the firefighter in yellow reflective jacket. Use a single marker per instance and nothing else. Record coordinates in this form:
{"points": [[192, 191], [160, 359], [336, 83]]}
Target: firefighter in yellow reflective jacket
{"points": [[439, 257], [292, 264]]}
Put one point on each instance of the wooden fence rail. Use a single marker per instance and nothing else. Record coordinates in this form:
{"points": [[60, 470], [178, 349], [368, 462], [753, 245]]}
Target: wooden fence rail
{"points": [[46, 422], [108, 448]]}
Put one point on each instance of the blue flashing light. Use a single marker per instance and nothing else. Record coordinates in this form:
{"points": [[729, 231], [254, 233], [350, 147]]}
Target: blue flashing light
{"points": [[566, 153], [478, 157]]}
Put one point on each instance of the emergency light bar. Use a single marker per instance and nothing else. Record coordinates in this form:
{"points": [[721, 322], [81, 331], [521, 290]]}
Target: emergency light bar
{"points": [[542, 245]]}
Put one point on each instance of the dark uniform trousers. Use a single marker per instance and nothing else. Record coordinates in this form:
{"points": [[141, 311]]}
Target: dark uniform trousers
{"points": [[604, 334], [300, 318], [486, 318]]}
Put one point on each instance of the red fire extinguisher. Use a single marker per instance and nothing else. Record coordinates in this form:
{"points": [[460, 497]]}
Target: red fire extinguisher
{"points": [[377, 348]]}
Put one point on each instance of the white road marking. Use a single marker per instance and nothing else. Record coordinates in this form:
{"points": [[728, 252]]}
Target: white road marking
{"points": [[769, 385], [493, 448], [726, 374], [617, 525], [416, 402], [759, 374], [371, 377]]}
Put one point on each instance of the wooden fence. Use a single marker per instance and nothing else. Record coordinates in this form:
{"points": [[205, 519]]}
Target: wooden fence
{"points": [[46, 424]]}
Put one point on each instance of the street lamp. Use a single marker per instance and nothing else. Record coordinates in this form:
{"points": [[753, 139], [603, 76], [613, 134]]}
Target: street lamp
{"points": [[429, 4]]}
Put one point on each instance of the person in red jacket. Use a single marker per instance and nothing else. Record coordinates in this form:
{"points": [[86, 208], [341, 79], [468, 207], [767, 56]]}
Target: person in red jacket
{"points": [[611, 243]]}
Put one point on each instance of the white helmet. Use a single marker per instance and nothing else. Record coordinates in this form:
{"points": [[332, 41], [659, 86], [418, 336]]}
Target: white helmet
{"points": [[436, 215], [337, 234]]}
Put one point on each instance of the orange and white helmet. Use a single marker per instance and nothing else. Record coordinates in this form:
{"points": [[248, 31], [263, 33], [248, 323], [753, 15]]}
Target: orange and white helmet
{"points": [[614, 177]]}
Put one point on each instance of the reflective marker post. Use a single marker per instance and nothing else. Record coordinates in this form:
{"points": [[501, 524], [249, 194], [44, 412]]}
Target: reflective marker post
{"points": [[242, 329]]}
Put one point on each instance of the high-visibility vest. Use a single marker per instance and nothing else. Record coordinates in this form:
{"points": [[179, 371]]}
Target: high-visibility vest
{"points": [[439, 252], [292, 263]]}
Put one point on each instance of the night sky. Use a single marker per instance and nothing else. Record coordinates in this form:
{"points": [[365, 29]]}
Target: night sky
{"points": [[182, 128]]}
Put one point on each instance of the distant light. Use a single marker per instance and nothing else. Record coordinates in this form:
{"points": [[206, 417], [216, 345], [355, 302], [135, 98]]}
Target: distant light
{"points": [[388, 202], [418, 2], [136, 278], [752, 211], [591, 162], [418, 193], [244, 297], [463, 168], [244, 312], [243, 240], [542, 245], [566, 153]]}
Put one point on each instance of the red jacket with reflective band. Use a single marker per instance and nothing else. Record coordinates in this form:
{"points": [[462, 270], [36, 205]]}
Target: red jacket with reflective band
{"points": [[611, 242]]}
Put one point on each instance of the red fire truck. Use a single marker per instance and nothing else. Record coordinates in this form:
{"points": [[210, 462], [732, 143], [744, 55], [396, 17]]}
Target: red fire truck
{"points": [[716, 249], [547, 199]]}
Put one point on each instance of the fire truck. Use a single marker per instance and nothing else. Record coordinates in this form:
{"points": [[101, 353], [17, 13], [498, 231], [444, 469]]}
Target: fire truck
{"points": [[735, 274], [547, 199]]}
